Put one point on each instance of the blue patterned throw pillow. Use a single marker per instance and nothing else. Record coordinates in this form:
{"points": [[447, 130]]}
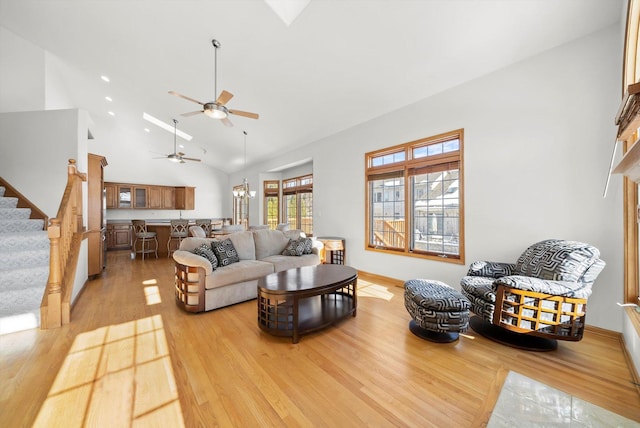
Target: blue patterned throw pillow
{"points": [[205, 251], [225, 252]]}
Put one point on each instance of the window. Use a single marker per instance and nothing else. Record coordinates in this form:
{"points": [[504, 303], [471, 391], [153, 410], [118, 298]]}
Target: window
{"points": [[272, 203], [414, 198], [297, 194]]}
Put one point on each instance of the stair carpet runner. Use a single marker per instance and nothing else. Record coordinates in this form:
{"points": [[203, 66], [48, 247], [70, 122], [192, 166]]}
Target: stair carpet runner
{"points": [[24, 266]]}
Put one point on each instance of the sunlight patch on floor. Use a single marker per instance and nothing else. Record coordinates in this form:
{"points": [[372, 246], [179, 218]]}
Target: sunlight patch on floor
{"points": [[119, 375], [369, 289], [15, 323], [152, 295]]}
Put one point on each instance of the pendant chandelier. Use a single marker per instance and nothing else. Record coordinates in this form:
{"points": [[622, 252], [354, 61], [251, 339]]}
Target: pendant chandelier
{"points": [[244, 192]]}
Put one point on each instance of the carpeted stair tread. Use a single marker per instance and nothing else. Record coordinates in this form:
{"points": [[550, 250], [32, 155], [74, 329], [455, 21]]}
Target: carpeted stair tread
{"points": [[23, 259], [15, 213], [26, 300], [7, 226], [24, 264], [19, 241], [15, 279], [8, 202]]}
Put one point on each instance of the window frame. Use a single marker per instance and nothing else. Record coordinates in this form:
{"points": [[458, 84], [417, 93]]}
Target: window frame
{"points": [[407, 169], [271, 189], [297, 186], [631, 75]]}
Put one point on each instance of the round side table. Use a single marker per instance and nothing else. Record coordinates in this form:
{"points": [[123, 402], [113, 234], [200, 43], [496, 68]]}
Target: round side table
{"points": [[334, 249]]}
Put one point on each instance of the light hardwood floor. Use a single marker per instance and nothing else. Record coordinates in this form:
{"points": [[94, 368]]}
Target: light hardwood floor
{"points": [[140, 360]]}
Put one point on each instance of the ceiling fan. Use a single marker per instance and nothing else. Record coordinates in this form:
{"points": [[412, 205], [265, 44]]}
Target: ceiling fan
{"points": [[216, 109], [176, 156]]}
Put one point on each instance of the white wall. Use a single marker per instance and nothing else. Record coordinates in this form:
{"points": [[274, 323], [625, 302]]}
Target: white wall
{"points": [[22, 74], [56, 94], [538, 139], [35, 150], [130, 155]]}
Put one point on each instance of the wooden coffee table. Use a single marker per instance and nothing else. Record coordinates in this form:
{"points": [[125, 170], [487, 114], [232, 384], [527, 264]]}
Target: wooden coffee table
{"points": [[306, 299]]}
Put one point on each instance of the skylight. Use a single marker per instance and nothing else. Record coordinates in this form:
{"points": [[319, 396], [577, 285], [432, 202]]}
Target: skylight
{"points": [[166, 126]]}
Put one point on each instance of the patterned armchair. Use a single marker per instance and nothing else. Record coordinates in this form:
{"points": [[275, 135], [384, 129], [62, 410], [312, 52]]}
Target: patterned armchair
{"points": [[544, 294]]}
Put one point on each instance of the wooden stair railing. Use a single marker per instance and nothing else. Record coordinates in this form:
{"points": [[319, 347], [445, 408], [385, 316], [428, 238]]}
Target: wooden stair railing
{"points": [[65, 235]]}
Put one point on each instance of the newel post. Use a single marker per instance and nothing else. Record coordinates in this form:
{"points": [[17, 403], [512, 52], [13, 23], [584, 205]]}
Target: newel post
{"points": [[54, 285]]}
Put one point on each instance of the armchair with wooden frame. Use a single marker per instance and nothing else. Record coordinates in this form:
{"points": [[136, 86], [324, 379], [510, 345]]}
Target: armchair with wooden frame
{"points": [[539, 299]]}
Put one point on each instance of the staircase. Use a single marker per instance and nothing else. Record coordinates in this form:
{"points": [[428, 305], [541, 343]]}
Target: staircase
{"points": [[24, 266]]}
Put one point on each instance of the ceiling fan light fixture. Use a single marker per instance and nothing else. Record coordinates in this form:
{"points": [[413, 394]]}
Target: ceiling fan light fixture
{"points": [[216, 112]]}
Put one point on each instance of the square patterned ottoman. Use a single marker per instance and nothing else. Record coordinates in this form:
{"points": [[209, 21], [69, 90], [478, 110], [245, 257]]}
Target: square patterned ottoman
{"points": [[439, 312]]}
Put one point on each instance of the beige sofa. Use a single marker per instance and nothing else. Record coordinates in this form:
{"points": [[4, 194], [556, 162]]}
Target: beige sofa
{"points": [[200, 288]]}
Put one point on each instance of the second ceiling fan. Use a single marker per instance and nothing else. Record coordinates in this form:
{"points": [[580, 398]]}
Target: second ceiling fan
{"points": [[216, 109]]}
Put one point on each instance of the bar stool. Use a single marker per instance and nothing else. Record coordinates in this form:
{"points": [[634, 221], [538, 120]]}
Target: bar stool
{"points": [[146, 238], [179, 230], [205, 224]]}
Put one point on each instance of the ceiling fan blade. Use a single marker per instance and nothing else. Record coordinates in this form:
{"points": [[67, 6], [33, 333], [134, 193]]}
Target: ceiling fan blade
{"points": [[192, 113], [244, 113], [191, 159], [224, 98], [185, 97], [226, 122]]}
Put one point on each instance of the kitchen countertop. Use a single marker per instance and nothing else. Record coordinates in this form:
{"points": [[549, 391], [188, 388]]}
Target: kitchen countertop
{"points": [[156, 221]]}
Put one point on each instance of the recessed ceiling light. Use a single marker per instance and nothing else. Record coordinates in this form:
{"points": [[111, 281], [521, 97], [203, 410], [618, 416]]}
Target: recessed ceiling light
{"points": [[105, 78], [181, 146], [108, 99], [146, 130], [166, 126], [111, 113]]}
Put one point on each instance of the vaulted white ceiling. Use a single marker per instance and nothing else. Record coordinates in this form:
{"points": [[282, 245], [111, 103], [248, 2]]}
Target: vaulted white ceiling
{"points": [[340, 63]]}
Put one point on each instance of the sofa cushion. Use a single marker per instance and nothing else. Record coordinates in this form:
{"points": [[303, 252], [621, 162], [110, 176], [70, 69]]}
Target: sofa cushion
{"points": [[269, 243], [281, 262], [206, 251], [225, 252], [191, 243], [244, 244], [294, 233], [197, 231], [244, 270]]}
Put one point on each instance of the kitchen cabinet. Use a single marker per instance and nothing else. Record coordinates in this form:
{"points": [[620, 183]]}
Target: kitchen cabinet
{"points": [[118, 236], [140, 197], [168, 198], [125, 197], [147, 196], [161, 197], [185, 198], [155, 197], [111, 190]]}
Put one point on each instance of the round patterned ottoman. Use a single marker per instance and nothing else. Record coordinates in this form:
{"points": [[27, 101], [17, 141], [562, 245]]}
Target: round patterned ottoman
{"points": [[439, 312]]}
